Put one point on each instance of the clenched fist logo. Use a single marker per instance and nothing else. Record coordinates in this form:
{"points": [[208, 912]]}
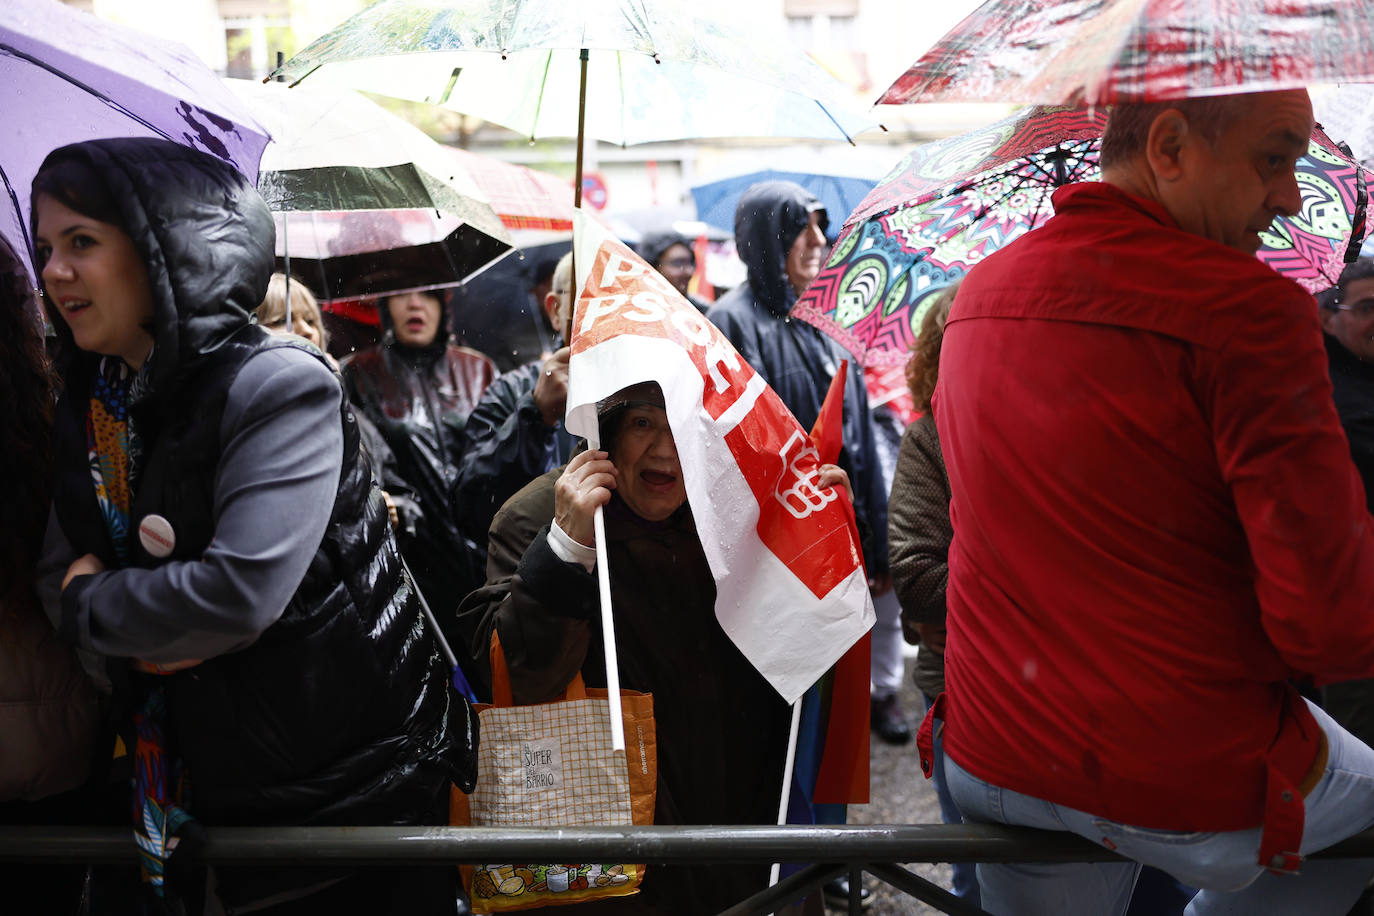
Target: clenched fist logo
{"points": [[803, 497]]}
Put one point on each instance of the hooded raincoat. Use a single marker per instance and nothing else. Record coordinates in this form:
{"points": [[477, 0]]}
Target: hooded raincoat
{"points": [[419, 399], [795, 358]]}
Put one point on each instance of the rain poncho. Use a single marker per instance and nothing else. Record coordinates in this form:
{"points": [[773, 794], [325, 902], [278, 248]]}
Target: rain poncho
{"points": [[419, 399]]}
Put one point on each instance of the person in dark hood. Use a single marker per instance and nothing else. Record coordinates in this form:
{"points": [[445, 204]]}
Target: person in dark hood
{"points": [[780, 236], [669, 253], [216, 537], [418, 387]]}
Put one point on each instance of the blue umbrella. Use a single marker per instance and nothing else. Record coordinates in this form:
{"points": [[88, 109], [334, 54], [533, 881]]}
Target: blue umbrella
{"points": [[841, 194]]}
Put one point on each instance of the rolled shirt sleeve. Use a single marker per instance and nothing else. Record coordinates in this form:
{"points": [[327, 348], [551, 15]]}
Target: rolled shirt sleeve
{"points": [[275, 486]]}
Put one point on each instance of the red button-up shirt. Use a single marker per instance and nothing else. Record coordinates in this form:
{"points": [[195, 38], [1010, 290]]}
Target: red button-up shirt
{"points": [[1156, 522]]}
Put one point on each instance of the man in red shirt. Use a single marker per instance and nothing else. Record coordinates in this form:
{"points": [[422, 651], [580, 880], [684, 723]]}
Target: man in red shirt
{"points": [[1157, 526]]}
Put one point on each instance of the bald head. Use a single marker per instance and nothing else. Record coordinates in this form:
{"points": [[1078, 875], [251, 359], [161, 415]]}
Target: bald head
{"points": [[558, 301]]}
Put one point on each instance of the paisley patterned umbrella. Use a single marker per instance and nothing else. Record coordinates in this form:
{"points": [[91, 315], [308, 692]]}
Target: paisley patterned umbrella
{"points": [[951, 203]]}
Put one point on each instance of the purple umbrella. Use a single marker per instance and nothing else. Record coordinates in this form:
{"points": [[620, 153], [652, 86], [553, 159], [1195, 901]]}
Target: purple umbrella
{"points": [[69, 76]]}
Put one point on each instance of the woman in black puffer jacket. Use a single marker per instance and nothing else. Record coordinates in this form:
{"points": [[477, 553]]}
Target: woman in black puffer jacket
{"points": [[216, 536]]}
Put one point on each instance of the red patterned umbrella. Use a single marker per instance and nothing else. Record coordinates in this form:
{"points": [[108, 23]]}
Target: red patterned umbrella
{"points": [[951, 203], [1075, 52], [524, 198]]}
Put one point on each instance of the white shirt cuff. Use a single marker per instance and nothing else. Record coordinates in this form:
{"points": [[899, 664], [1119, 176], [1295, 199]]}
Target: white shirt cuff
{"points": [[568, 550]]}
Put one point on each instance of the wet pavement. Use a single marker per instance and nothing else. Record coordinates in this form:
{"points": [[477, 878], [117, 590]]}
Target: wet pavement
{"points": [[900, 795]]}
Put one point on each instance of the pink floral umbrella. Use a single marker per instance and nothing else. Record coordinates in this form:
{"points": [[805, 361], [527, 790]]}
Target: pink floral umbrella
{"points": [[951, 203]]}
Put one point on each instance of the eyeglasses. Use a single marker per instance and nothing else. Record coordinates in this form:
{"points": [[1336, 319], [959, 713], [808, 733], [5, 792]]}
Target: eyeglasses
{"points": [[679, 263], [1362, 309]]}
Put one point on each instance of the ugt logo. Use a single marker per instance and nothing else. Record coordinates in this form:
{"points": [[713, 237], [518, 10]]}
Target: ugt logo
{"points": [[801, 466]]}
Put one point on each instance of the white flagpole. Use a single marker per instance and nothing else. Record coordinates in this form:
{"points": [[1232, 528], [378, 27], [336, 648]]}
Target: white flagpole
{"points": [[603, 578], [787, 780]]}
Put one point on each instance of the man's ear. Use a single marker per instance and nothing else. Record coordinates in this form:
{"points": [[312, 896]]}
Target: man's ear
{"points": [[1328, 318], [1164, 145], [551, 305]]}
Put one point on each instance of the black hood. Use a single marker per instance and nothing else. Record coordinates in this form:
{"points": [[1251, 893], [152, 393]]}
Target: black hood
{"points": [[442, 337], [768, 219], [652, 246], [201, 228]]}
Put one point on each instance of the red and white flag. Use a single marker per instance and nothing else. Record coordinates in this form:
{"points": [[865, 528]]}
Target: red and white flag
{"points": [[791, 591]]}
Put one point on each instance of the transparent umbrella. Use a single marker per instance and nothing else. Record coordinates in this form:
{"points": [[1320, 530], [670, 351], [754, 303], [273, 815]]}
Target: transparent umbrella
{"points": [[354, 254], [624, 71]]}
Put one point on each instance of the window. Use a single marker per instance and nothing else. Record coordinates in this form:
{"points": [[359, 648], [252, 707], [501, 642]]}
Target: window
{"points": [[238, 50], [820, 8], [801, 29]]}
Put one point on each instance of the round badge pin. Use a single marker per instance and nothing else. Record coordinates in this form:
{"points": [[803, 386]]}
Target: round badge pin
{"points": [[156, 535]]}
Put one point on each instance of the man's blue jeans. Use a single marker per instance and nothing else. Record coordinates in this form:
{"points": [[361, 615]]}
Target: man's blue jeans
{"points": [[964, 878], [1223, 864]]}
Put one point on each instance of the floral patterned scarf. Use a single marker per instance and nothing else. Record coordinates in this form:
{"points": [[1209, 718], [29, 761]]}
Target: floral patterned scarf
{"points": [[113, 446], [115, 453]]}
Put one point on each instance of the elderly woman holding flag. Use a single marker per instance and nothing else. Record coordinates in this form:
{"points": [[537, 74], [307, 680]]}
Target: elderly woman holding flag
{"points": [[722, 729]]}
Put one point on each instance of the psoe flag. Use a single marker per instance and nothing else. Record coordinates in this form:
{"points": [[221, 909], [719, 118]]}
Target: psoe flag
{"points": [[790, 585]]}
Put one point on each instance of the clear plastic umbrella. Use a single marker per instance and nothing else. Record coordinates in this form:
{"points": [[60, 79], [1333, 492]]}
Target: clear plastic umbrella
{"points": [[354, 254], [624, 71], [333, 149]]}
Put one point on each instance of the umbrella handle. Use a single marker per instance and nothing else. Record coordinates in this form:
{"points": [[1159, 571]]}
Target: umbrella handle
{"points": [[581, 127], [460, 681]]}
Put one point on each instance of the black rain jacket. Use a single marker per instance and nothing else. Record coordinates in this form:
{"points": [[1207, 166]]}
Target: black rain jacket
{"points": [[794, 358]]}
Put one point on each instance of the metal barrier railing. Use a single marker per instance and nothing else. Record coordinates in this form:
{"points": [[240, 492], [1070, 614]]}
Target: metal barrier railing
{"points": [[835, 850]]}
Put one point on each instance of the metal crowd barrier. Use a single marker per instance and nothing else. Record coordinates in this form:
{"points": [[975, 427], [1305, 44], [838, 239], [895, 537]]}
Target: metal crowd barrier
{"points": [[835, 850]]}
